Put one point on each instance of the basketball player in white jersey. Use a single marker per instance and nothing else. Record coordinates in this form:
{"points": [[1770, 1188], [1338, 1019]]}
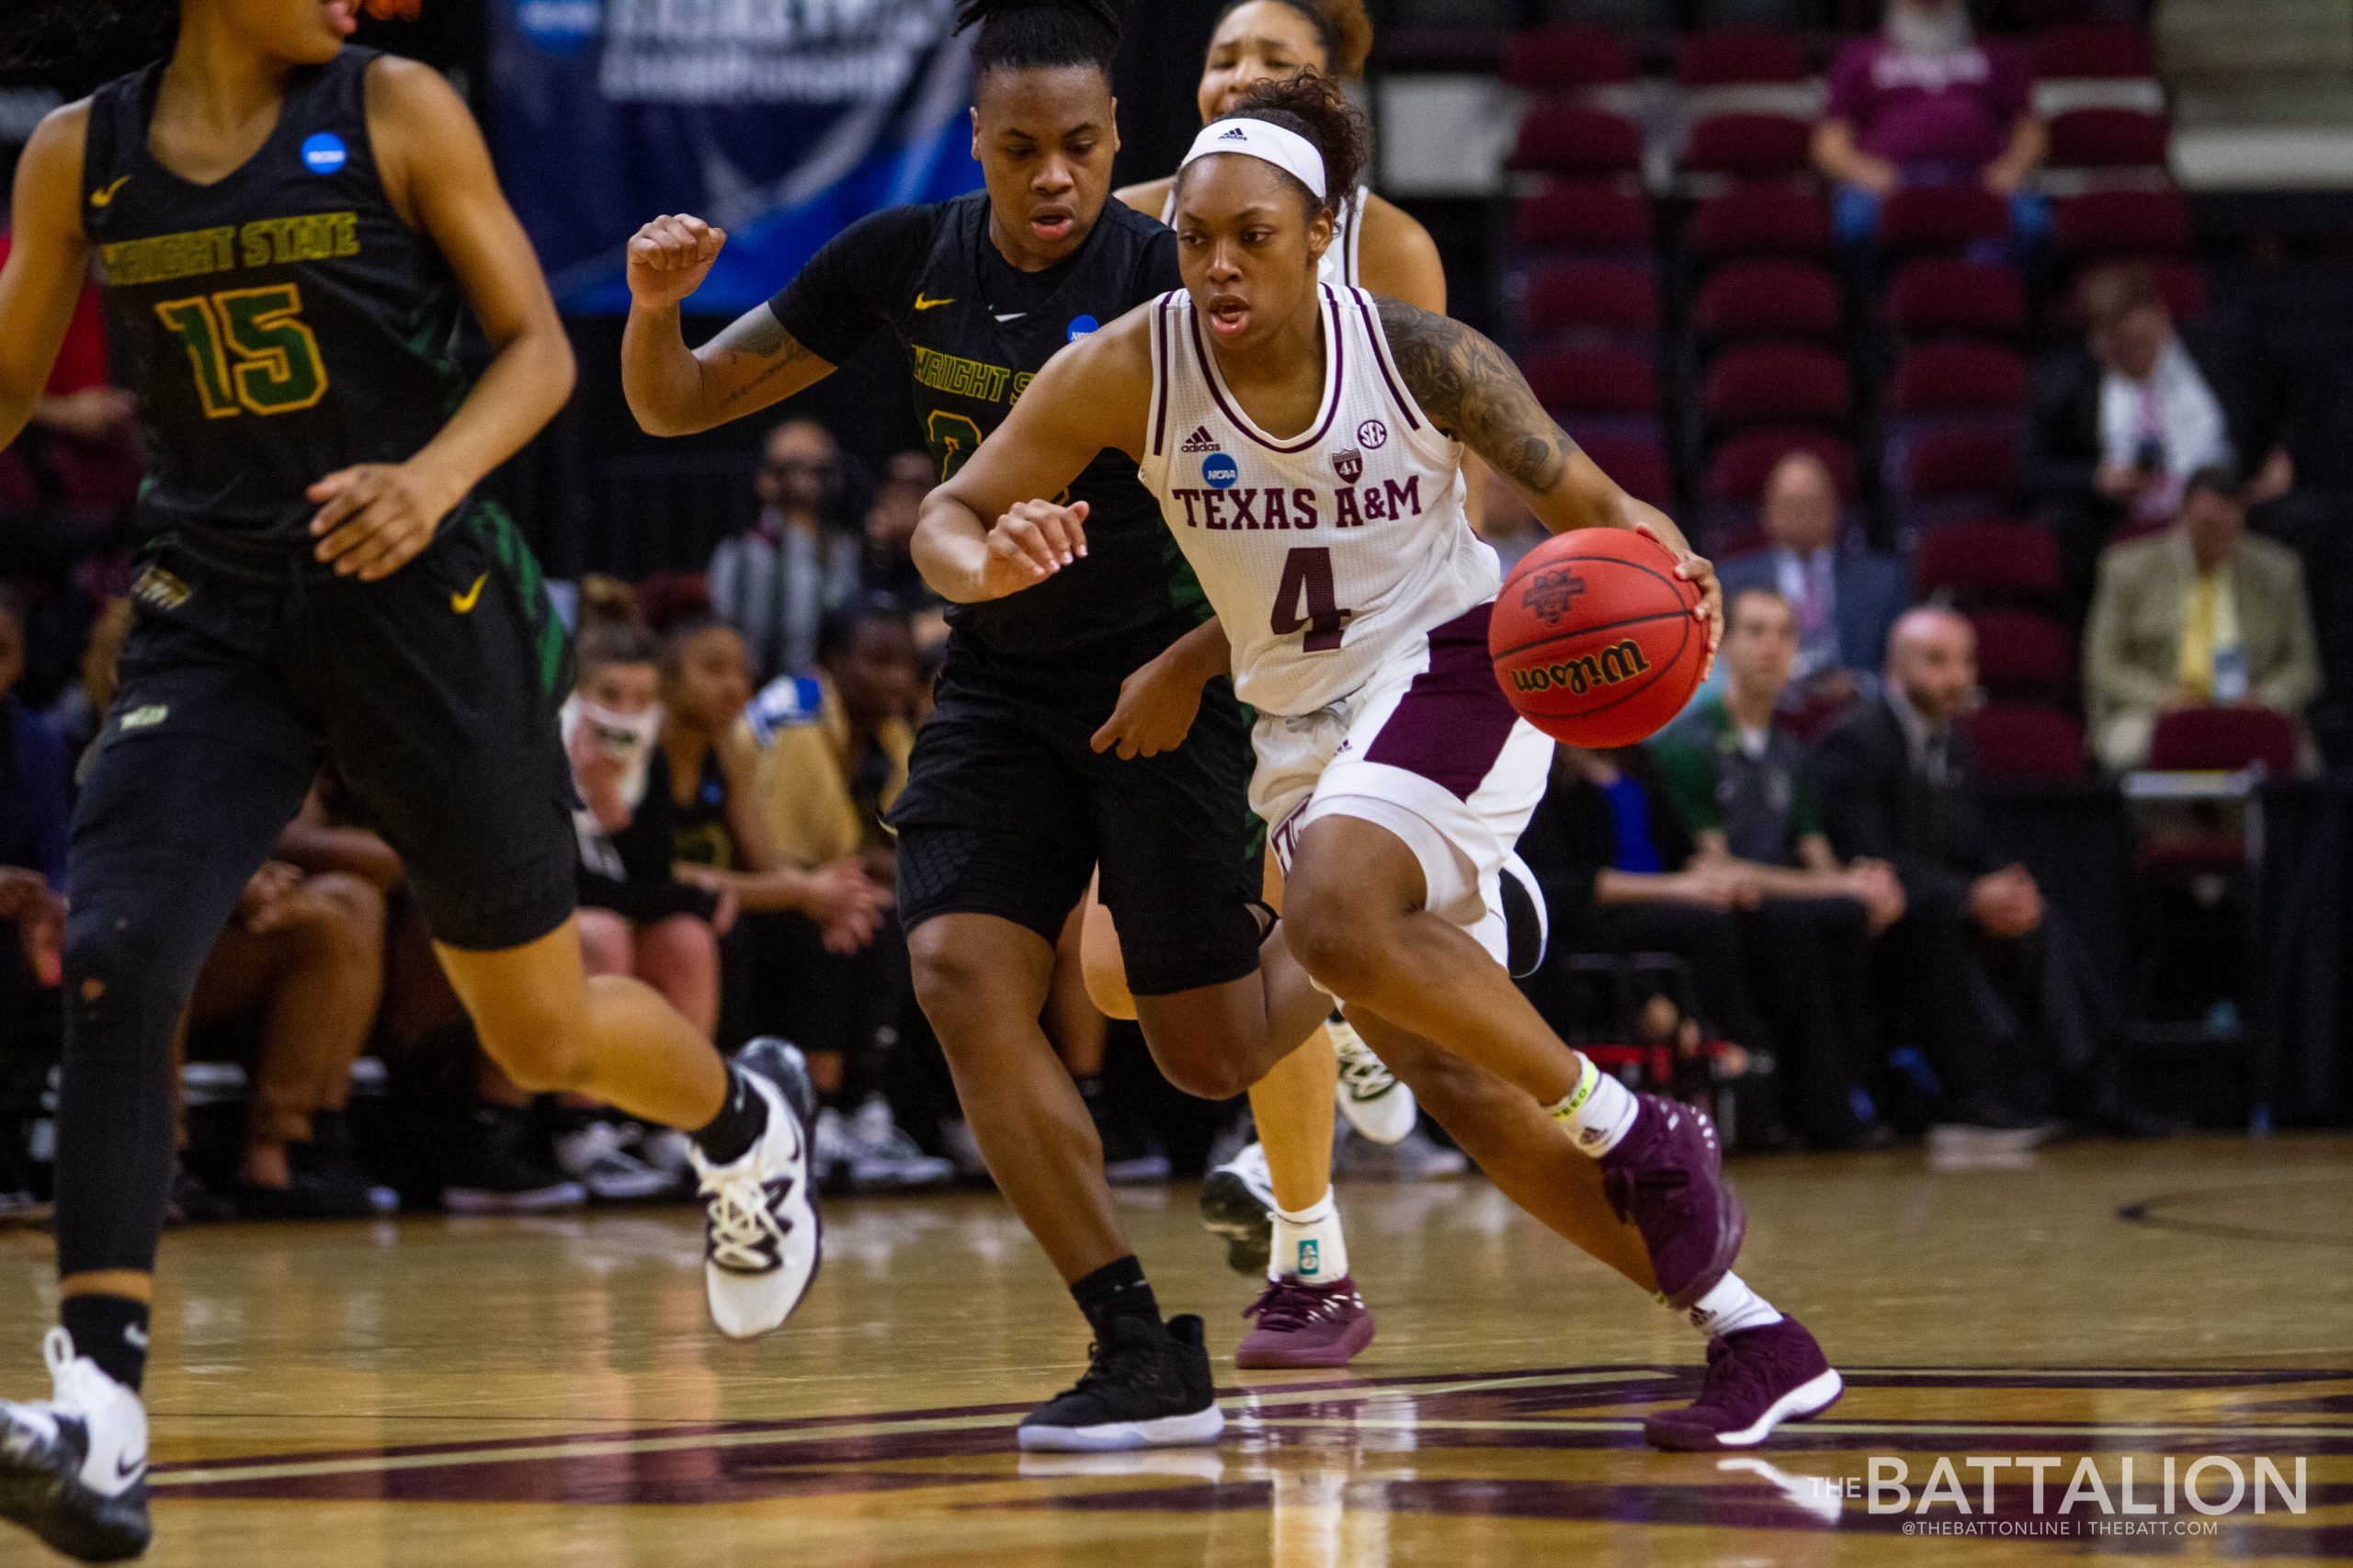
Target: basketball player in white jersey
{"points": [[1302, 440]]}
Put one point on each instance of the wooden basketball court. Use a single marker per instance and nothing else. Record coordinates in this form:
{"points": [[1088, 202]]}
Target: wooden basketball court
{"points": [[519, 1391]]}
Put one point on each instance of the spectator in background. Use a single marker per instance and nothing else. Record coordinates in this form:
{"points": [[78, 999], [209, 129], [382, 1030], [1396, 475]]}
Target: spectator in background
{"points": [[2120, 431], [1743, 788], [305, 953], [1844, 601], [1980, 972], [888, 565], [636, 916], [776, 582], [1618, 869], [86, 429], [831, 756], [2198, 615], [1926, 102], [34, 771]]}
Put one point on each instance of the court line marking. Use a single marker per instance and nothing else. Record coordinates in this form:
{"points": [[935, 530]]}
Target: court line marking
{"points": [[1242, 1404], [1837, 1428]]}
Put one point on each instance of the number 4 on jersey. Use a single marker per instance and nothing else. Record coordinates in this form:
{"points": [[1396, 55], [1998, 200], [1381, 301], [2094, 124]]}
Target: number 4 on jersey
{"points": [[1306, 601]]}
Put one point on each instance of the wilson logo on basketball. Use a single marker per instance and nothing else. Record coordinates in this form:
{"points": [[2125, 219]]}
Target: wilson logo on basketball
{"points": [[1613, 666], [1552, 595]]}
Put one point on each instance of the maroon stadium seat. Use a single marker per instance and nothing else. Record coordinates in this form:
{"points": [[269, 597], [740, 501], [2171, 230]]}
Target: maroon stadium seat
{"points": [[1941, 218], [1723, 57], [1964, 461], [2223, 738], [2109, 138], [1743, 464], [1568, 139], [1638, 463], [1959, 378], [2182, 284], [1750, 146], [2021, 654], [1618, 298], [1939, 297], [1761, 220], [2026, 741], [1989, 562], [1777, 383], [1554, 59], [1770, 299], [2120, 222], [1583, 217], [1594, 380], [2094, 51]]}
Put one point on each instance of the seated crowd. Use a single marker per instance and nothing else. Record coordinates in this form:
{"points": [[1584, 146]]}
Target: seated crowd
{"points": [[1803, 850]]}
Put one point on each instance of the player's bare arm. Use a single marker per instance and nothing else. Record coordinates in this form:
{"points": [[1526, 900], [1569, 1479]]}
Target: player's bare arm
{"points": [[48, 260], [1478, 396], [986, 532], [676, 391], [374, 517]]}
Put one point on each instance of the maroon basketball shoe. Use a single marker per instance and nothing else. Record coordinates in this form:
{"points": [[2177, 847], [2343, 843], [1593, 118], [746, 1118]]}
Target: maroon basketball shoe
{"points": [[1756, 1379], [1666, 1176], [1305, 1325]]}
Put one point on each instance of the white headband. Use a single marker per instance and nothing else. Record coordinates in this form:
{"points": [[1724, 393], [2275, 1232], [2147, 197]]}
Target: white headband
{"points": [[1284, 148]]}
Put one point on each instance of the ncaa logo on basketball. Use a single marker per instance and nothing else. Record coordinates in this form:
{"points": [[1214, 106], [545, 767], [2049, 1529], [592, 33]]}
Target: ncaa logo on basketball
{"points": [[1372, 435], [1552, 595], [1219, 471]]}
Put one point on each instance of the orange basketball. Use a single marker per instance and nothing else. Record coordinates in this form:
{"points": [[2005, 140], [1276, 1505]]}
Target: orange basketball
{"points": [[1593, 638]]}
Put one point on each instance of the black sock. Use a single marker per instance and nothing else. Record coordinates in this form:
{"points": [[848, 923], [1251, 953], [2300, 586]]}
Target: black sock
{"points": [[112, 1331], [1117, 1290], [743, 1116]]}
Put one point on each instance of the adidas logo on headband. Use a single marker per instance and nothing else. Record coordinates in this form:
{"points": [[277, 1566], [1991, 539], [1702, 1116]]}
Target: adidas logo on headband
{"points": [[1236, 134], [1276, 144]]}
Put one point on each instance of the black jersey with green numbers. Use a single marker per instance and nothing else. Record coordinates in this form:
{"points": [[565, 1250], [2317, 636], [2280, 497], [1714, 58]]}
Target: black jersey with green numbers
{"points": [[284, 321], [976, 330]]}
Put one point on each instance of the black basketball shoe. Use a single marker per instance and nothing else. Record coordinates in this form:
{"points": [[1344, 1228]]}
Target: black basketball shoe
{"points": [[73, 1467], [1528, 923], [1147, 1386]]}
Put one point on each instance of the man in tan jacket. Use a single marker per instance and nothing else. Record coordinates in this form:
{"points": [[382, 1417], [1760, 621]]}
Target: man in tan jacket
{"points": [[2198, 615]]}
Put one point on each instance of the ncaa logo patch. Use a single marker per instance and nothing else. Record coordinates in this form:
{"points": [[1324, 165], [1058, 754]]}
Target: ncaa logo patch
{"points": [[1372, 435], [1079, 327], [1219, 471], [1349, 463], [324, 153]]}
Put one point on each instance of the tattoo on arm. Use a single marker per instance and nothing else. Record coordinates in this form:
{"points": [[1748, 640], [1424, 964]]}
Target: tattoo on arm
{"points": [[759, 335], [1477, 395]]}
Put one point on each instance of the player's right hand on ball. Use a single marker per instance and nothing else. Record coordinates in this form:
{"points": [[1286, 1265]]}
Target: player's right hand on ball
{"points": [[670, 258], [1032, 541]]}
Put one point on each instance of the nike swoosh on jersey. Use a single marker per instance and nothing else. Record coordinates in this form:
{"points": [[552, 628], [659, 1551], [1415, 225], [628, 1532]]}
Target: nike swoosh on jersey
{"points": [[464, 603], [924, 304], [1015, 316], [102, 197]]}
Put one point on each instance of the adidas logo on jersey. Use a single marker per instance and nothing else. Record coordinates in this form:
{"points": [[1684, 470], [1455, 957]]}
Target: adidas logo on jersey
{"points": [[1200, 440]]}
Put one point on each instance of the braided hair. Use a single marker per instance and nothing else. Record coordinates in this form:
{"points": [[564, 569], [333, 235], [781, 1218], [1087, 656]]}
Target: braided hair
{"points": [[1020, 35]]}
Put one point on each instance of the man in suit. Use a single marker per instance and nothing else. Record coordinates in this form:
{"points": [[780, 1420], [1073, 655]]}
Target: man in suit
{"points": [[1989, 985], [1845, 602], [2201, 615]]}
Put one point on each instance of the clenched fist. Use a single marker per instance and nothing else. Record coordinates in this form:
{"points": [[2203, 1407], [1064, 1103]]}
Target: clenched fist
{"points": [[670, 258]]}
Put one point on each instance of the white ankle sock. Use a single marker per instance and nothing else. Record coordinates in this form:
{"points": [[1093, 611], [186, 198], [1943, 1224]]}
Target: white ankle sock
{"points": [[1309, 1246], [1600, 1111], [1730, 1307]]}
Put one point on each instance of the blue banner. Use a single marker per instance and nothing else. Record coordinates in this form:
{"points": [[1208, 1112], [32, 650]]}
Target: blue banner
{"points": [[780, 120]]}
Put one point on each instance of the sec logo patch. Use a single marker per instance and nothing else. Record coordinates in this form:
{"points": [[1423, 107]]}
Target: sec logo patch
{"points": [[1372, 435]]}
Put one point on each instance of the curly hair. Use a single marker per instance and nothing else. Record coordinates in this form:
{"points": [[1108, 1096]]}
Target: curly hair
{"points": [[1315, 107], [1020, 35], [1342, 26]]}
